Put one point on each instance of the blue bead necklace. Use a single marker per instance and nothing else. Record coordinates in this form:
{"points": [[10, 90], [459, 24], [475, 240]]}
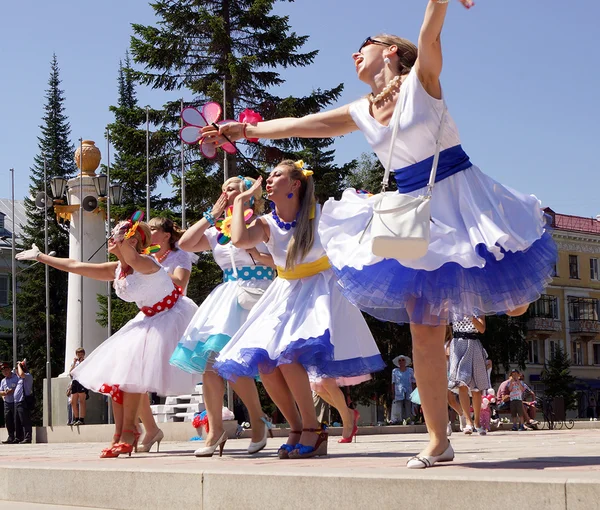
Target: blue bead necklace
{"points": [[280, 223]]}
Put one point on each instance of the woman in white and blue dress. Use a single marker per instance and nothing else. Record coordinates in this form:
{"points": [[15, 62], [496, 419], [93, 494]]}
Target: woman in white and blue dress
{"points": [[468, 376], [246, 273], [302, 329], [489, 250]]}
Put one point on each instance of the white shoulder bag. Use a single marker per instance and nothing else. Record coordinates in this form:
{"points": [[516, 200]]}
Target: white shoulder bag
{"points": [[247, 296], [400, 222]]}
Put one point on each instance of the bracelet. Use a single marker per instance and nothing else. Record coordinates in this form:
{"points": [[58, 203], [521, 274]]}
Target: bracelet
{"points": [[208, 216], [244, 131], [441, 1]]}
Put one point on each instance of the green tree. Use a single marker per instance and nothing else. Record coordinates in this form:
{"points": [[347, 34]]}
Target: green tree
{"points": [[557, 378], [505, 341], [55, 147]]}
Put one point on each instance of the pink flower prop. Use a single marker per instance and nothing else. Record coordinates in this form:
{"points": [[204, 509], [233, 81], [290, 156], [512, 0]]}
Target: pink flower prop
{"points": [[194, 120], [250, 117]]}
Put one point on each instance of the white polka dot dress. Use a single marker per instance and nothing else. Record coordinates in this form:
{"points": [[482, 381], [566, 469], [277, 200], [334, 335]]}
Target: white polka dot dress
{"points": [[467, 358]]}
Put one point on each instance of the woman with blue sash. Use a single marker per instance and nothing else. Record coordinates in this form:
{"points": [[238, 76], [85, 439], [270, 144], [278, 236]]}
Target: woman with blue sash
{"points": [[246, 273], [489, 249]]}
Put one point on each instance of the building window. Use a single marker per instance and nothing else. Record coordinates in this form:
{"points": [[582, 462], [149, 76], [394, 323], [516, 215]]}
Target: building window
{"points": [[552, 349], [574, 267], [555, 270], [1, 220], [586, 309], [535, 346], [3, 289], [596, 354], [545, 307], [594, 269], [577, 357]]}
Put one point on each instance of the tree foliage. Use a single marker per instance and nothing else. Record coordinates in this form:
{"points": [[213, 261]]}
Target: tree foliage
{"points": [[557, 378]]}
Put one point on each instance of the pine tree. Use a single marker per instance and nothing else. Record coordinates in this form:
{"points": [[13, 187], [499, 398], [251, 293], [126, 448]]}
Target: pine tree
{"points": [[505, 341], [236, 47], [55, 147], [558, 380]]}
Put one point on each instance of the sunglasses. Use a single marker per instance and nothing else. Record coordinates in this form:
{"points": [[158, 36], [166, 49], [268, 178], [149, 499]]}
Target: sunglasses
{"points": [[369, 40]]}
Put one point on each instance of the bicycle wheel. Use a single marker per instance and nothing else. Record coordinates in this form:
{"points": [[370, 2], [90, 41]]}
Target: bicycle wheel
{"points": [[569, 424]]}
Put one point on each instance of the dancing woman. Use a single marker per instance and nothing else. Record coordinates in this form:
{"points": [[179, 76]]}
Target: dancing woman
{"points": [[246, 273], [489, 251], [135, 360], [178, 265], [302, 329]]}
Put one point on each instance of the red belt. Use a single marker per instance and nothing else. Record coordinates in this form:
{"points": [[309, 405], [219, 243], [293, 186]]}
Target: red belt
{"points": [[166, 304]]}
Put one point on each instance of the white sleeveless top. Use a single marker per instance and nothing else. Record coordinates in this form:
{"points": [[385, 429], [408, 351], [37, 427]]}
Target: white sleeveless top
{"points": [[420, 117], [143, 289], [178, 258], [221, 253], [279, 239]]}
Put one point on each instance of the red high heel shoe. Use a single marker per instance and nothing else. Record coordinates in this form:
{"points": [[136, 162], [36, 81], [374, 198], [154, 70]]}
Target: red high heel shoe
{"points": [[122, 448], [107, 453], [354, 429]]}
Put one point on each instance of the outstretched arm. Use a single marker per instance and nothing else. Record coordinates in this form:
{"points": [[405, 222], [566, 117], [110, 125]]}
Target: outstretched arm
{"points": [[429, 62], [103, 272], [317, 125], [479, 323], [243, 236]]}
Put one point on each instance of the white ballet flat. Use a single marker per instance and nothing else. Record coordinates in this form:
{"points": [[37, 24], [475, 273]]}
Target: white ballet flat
{"points": [[257, 447], [208, 451], [429, 461]]}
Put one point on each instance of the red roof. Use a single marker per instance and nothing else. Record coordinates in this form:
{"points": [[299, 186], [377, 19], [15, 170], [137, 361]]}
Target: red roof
{"points": [[574, 223]]}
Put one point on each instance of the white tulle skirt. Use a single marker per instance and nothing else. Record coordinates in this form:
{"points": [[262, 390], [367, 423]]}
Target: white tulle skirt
{"points": [[305, 321], [489, 252], [136, 358], [216, 321]]}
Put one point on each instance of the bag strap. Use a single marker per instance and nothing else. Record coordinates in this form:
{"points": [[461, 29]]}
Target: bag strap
{"points": [[436, 156]]}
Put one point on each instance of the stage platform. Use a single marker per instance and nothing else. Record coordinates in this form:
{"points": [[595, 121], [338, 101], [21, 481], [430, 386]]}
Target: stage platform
{"points": [[544, 469]]}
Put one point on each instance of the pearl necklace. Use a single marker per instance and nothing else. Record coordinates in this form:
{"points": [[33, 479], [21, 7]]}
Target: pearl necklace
{"points": [[387, 90], [280, 223]]}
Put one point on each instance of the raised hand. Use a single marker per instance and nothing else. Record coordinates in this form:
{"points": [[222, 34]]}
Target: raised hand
{"points": [[232, 130], [220, 205], [31, 254], [467, 3], [250, 192]]}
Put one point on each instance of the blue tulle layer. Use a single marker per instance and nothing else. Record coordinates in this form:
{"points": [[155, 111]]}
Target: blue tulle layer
{"points": [[315, 354], [391, 292], [194, 361]]}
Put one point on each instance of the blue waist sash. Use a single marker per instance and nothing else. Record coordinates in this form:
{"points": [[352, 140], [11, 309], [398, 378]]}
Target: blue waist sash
{"points": [[416, 176], [249, 273]]}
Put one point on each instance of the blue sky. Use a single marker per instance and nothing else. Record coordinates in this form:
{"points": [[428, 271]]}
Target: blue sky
{"points": [[520, 78]]}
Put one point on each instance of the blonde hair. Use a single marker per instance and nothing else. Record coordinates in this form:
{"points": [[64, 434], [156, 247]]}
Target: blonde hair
{"points": [[303, 236], [170, 227], [407, 51], [259, 204]]}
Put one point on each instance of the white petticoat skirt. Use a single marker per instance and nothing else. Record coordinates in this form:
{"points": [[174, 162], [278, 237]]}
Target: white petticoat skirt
{"points": [[136, 358], [490, 252], [305, 321], [216, 321]]}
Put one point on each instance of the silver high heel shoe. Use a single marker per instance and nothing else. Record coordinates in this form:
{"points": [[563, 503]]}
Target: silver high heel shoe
{"points": [[257, 447], [158, 437], [208, 451]]}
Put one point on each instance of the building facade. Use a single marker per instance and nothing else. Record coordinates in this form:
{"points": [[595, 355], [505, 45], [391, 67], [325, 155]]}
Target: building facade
{"points": [[568, 314]]}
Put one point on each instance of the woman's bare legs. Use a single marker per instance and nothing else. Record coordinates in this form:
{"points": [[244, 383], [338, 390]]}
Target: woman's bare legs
{"points": [[518, 311], [331, 393], [147, 419], [432, 381], [213, 389], [453, 403], [465, 403], [282, 397], [118, 417], [246, 390], [131, 404], [297, 381], [476, 395]]}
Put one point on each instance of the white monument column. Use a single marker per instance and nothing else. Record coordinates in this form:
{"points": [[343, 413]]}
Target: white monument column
{"points": [[92, 237]]}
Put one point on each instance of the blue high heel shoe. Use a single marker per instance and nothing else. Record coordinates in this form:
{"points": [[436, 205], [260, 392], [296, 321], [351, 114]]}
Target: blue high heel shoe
{"points": [[301, 451], [285, 449]]}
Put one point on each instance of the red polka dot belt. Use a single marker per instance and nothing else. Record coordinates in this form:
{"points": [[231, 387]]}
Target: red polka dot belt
{"points": [[166, 304]]}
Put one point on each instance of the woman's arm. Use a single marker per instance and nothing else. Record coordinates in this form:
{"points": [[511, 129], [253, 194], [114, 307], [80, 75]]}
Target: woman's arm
{"points": [[180, 277], [479, 323], [193, 238], [138, 262], [317, 125], [261, 259], [102, 272], [243, 236], [429, 62]]}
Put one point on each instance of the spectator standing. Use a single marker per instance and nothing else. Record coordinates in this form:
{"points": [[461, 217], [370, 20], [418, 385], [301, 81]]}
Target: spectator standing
{"points": [[516, 389], [24, 400], [403, 382], [79, 394], [7, 392]]}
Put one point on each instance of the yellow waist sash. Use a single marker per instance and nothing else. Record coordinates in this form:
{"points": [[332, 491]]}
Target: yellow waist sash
{"points": [[304, 270]]}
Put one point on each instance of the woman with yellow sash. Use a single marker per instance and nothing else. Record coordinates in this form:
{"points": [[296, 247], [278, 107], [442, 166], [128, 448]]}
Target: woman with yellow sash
{"points": [[302, 329]]}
